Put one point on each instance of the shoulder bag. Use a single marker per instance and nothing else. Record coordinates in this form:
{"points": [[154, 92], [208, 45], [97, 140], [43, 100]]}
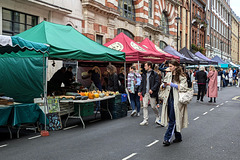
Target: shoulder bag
{"points": [[186, 96]]}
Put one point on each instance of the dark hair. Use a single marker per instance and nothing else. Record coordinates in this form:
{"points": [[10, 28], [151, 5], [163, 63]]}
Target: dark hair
{"points": [[70, 67], [178, 71], [112, 69], [149, 64], [133, 67]]}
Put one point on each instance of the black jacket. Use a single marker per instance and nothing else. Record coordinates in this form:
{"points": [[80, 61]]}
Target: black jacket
{"points": [[113, 82], [201, 77], [154, 83]]}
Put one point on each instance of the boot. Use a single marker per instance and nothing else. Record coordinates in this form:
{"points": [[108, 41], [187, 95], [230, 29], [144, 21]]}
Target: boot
{"points": [[214, 99], [210, 100]]}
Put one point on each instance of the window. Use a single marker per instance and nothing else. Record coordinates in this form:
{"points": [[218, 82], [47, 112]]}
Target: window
{"points": [[164, 23], [15, 22], [162, 44], [186, 40], [180, 39], [186, 17], [129, 34], [99, 39], [150, 8], [126, 9]]}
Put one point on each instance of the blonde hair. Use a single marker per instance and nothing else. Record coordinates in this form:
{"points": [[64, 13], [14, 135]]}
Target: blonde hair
{"points": [[213, 68]]}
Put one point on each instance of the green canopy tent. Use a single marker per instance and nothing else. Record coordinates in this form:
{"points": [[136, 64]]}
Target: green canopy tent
{"points": [[67, 43], [21, 68]]}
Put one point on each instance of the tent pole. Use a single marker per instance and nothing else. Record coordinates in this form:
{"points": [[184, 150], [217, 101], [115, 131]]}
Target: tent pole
{"points": [[45, 92], [125, 75], [138, 67]]}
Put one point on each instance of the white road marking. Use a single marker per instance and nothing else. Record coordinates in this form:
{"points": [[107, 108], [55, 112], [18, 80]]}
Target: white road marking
{"points": [[212, 109], [205, 113], [5, 145], [131, 155], [70, 127], [226, 102], [195, 118], [35, 137], [156, 141], [221, 104], [217, 106]]}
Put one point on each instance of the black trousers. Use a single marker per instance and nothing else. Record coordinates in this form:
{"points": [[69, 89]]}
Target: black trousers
{"points": [[201, 91]]}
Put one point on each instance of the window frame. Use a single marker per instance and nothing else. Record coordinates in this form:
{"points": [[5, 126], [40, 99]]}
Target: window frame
{"points": [[13, 22], [124, 11], [126, 32], [164, 24]]}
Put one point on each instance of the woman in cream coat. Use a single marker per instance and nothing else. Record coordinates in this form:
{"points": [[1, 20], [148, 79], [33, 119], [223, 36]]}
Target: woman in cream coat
{"points": [[174, 114]]}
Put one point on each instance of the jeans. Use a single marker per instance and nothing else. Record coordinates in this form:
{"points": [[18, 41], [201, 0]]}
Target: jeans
{"points": [[224, 82], [135, 101], [172, 123], [201, 91]]}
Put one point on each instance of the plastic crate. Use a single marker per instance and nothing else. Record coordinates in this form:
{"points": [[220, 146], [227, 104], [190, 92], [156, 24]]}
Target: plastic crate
{"points": [[87, 109], [124, 98]]}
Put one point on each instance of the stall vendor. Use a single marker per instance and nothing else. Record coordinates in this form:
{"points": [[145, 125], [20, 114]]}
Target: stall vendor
{"points": [[56, 81], [68, 76]]}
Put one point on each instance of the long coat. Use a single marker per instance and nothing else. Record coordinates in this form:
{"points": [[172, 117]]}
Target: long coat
{"points": [[212, 84], [181, 114]]}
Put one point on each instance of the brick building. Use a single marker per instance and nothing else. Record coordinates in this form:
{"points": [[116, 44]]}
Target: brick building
{"points": [[198, 24], [155, 19]]}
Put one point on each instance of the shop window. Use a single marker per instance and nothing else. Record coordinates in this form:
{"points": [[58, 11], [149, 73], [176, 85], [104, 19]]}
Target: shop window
{"points": [[150, 8], [126, 8], [162, 44], [99, 39], [164, 23], [14, 22], [129, 34]]}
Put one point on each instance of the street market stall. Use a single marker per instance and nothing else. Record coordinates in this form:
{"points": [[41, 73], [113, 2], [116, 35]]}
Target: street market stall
{"points": [[197, 60], [210, 62], [221, 62], [151, 46], [134, 51], [67, 43], [183, 59], [15, 50]]}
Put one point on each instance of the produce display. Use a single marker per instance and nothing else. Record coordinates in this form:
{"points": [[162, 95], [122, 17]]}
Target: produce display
{"points": [[87, 95]]}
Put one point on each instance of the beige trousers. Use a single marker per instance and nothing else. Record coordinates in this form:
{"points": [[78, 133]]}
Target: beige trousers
{"points": [[146, 98]]}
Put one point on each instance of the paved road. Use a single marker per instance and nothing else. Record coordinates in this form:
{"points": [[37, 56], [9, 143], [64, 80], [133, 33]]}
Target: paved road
{"points": [[213, 133]]}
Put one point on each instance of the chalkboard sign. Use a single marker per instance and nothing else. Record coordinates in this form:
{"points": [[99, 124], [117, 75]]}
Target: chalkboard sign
{"points": [[195, 88], [54, 122]]}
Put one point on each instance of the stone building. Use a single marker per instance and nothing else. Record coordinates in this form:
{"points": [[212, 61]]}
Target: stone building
{"points": [[19, 15], [235, 39], [219, 29], [198, 24], [155, 19]]}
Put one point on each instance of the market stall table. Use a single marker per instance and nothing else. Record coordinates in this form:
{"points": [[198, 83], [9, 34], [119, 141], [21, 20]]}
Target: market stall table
{"points": [[5, 112], [18, 114], [79, 102]]}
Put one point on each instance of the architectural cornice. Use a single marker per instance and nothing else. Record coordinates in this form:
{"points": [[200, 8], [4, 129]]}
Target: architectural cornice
{"points": [[97, 7]]}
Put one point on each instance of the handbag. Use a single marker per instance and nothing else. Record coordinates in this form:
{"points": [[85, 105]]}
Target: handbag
{"points": [[185, 97]]}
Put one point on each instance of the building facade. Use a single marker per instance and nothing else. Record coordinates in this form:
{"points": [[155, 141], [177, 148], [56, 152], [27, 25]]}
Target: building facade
{"points": [[235, 39], [17, 16], [198, 25], [219, 29], [138, 19], [184, 27]]}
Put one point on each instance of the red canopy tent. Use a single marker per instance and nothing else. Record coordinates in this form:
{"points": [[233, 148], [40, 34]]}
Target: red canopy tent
{"points": [[151, 46], [134, 51]]}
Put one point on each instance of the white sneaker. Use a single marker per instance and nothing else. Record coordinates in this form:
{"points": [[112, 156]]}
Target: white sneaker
{"points": [[138, 114], [158, 121], [144, 122], [133, 113]]}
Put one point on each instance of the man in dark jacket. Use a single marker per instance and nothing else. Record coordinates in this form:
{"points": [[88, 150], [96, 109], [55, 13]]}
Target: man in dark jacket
{"points": [[201, 78], [149, 88]]}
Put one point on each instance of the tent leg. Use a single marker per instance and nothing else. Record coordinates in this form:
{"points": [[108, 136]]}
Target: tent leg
{"points": [[138, 67], [125, 75]]}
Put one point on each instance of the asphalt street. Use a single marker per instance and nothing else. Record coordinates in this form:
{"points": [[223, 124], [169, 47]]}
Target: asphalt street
{"points": [[213, 134]]}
